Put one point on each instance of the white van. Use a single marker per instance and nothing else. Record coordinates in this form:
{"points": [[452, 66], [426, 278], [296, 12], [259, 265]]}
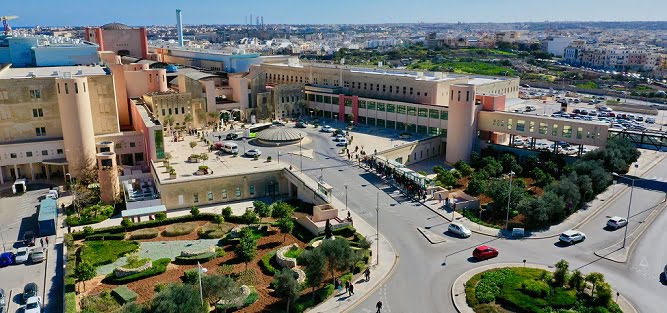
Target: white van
{"points": [[230, 147]]}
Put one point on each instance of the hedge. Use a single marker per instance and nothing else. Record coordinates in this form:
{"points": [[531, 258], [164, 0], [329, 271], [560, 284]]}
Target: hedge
{"points": [[266, 263], [124, 294], [147, 224], [159, 267], [248, 301], [70, 302], [306, 301], [202, 257], [148, 233], [106, 236], [179, 229]]}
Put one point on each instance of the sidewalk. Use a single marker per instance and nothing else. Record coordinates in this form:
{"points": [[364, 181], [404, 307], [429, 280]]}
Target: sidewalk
{"points": [[647, 161], [458, 293]]}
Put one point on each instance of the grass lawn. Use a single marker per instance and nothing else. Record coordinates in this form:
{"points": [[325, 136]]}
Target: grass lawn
{"points": [[105, 252], [588, 85], [464, 67], [293, 253], [89, 215]]}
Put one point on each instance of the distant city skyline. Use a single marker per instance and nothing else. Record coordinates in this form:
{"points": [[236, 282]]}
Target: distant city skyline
{"points": [[82, 13]]}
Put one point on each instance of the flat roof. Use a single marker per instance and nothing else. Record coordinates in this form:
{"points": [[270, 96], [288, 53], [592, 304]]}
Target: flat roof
{"points": [[144, 211], [55, 71], [47, 209]]}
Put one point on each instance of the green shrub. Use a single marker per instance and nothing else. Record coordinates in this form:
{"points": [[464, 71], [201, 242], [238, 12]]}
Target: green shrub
{"points": [[252, 297], [147, 233], [324, 293], [215, 231], [179, 229], [123, 294], [194, 211], [106, 252], [201, 258], [359, 267], [90, 215], [159, 287], [219, 252], [471, 284], [345, 278], [219, 219], [146, 224], [535, 288], [347, 231], [266, 263], [70, 302], [190, 276], [106, 237], [487, 308], [99, 303], [159, 267], [227, 212], [247, 277], [225, 269], [486, 291], [562, 298], [293, 253], [133, 261]]}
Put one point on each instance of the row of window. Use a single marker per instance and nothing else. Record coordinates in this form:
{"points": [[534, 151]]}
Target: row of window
{"points": [[284, 99], [543, 129], [76, 87], [237, 192], [164, 111], [392, 89], [29, 154], [401, 126], [385, 107]]}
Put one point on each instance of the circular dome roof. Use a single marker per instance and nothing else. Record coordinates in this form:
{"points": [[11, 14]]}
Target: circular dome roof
{"points": [[280, 134], [114, 26]]}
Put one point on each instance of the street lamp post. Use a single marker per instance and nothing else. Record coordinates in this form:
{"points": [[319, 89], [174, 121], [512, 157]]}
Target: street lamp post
{"points": [[625, 234], [509, 198], [346, 197], [300, 157], [377, 230], [201, 270], [321, 174], [278, 145]]}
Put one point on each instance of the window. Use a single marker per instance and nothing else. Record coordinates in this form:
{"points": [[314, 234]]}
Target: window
{"points": [[521, 125], [391, 108], [432, 113], [580, 131], [543, 128], [84, 87], [12, 155], [37, 113], [319, 98], [327, 99], [196, 198], [45, 152], [404, 90], [422, 112], [335, 100], [66, 89], [58, 88], [182, 110], [76, 88], [169, 111], [59, 151], [40, 131], [554, 130], [380, 107], [531, 127], [139, 157], [164, 112], [210, 196], [371, 105], [567, 131], [224, 193], [412, 111], [401, 109], [251, 190], [118, 145], [238, 192], [362, 104], [411, 90], [348, 102], [28, 154], [132, 144], [509, 124], [35, 94]]}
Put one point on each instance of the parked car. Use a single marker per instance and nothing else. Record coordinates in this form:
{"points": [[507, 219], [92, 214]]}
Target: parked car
{"points": [[22, 255], [327, 129], [29, 238], [33, 305], [572, 236], [484, 252], [29, 291], [37, 255], [7, 258], [576, 111], [3, 301], [459, 230], [616, 222], [253, 152], [232, 136], [650, 120], [639, 118], [530, 108], [342, 142], [339, 138]]}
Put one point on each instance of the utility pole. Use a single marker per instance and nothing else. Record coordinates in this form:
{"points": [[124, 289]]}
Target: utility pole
{"points": [[625, 234], [509, 198], [346, 197], [377, 230], [201, 270], [300, 157]]}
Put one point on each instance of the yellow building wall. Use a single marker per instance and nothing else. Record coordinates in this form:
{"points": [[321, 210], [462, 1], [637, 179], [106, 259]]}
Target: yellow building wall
{"points": [[17, 122], [103, 104]]}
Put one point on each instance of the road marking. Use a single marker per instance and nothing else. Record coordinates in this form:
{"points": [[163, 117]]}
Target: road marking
{"points": [[644, 262]]}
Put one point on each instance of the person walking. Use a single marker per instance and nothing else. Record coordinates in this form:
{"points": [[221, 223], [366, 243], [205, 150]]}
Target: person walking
{"points": [[351, 289], [338, 284], [41, 241], [379, 306], [367, 273], [348, 288], [47, 241]]}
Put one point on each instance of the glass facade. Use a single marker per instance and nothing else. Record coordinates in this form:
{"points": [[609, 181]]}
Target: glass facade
{"points": [[379, 123], [391, 108], [380, 106], [327, 99], [391, 124], [401, 109], [334, 100], [422, 129], [159, 144], [412, 111], [423, 112], [371, 105], [444, 115], [362, 104], [400, 126], [433, 113], [371, 121], [348, 102]]}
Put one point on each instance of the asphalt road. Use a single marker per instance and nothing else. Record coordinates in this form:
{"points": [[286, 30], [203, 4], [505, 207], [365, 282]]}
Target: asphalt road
{"points": [[423, 278]]}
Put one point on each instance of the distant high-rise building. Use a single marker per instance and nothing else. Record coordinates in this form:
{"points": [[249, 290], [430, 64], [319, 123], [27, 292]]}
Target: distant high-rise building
{"points": [[179, 27]]}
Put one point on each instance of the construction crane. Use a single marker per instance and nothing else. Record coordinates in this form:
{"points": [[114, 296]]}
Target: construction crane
{"points": [[5, 24]]}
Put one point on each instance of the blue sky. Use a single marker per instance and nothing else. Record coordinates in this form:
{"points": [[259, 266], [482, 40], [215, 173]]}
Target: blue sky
{"points": [[151, 12]]}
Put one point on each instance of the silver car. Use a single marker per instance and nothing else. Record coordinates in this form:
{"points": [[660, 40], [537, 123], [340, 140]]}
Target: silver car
{"points": [[37, 255], [459, 229]]}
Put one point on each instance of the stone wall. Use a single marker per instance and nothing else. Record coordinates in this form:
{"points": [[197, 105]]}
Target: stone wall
{"points": [[122, 272]]}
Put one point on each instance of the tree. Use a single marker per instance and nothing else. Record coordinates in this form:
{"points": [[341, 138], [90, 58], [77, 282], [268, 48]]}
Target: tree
{"points": [[568, 190], [312, 262], [576, 281], [444, 177], [84, 271], [168, 121], [261, 209], [132, 307], [188, 120], [498, 190], [553, 204], [178, 298], [160, 216], [339, 255], [227, 212], [286, 225], [594, 278], [282, 209], [560, 275], [194, 211], [219, 287], [193, 144], [602, 294], [476, 186], [286, 286], [201, 117], [246, 249], [249, 217], [464, 168]]}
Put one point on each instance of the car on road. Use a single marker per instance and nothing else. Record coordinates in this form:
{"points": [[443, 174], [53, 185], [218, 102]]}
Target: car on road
{"points": [[616, 222], [300, 125], [342, 142], [278, 123], [459, 230], [29, 291], [253, 152], [339, 138], [232, 136], [530, 108], [572, 236], [37, 254], [29, 238], [3, 301], [639, 118], [327, 129], [22, 255], [7, 258], [484, 252], [33, 305]]}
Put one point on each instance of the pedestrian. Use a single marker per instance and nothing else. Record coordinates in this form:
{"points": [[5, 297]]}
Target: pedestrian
{"points": [[338, 284], [47, 242], [351, 289], [379, 306], [367, 273], [41, 241], [348, 287]]}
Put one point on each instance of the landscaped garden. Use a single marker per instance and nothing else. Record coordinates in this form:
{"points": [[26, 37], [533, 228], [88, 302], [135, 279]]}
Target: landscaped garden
{"points": [[545, 189], [534, 290], [250, 266]]}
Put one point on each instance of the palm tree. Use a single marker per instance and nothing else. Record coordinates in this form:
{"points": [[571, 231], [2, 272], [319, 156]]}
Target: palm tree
{"points": [[169, 121]]}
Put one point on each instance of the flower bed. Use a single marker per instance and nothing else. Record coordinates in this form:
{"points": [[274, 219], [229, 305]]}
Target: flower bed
{"points": [[159, 267], [123, 271]]}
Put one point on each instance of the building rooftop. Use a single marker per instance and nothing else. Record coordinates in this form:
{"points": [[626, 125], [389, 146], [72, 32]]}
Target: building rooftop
{"points": [[55, 71], [114, 26]]}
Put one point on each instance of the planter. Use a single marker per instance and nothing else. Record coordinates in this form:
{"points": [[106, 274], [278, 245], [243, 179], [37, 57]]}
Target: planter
{"points": [[172, 175], [193, 160], [286, 261], [122, 272]]}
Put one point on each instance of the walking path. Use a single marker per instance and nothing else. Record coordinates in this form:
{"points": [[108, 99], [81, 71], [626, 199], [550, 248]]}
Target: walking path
{"points": [[458, 292]]}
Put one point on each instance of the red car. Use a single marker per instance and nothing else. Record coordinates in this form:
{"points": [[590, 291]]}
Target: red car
{"points": [[484, 252]]}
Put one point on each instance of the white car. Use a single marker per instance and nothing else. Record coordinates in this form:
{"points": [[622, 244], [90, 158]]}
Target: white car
{"points": [[541, 146], [616, 222], [342, 142], [327, 129], [459, 229], [519, 142], [33, 305], [339, 138], [572, 236], [22, 255], [253, 152]]}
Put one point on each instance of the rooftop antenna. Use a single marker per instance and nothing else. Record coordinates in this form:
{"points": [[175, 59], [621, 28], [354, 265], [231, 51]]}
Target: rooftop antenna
{"points": [[4, 19]]}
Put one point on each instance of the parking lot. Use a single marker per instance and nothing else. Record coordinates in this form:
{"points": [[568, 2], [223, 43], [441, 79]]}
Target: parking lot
{"points": [[18, 214]]}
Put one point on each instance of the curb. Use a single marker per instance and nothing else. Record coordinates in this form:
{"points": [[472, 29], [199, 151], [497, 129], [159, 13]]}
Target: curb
{"points": [[432, 241], [625, 305]]}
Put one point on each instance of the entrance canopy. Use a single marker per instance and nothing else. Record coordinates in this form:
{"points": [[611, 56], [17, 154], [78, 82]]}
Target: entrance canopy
{"points": [[55, 162]]}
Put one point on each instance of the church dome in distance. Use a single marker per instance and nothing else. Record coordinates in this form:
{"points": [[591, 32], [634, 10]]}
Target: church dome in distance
{"points": [[114, 26]]}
